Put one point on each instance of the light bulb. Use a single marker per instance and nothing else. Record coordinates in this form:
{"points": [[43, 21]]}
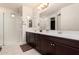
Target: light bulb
{"points": [[43, 6], [28, 17], [12, 15]]}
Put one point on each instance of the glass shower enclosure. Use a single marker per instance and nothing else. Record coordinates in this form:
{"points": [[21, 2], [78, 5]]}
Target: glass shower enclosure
{"points": [[10, 27]]}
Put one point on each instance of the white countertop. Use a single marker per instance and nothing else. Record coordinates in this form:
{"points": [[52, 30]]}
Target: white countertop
{"points": [[65, 34]]}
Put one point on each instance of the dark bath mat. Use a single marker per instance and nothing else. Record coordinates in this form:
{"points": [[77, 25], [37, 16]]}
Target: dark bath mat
{"points": [[25, 47]]}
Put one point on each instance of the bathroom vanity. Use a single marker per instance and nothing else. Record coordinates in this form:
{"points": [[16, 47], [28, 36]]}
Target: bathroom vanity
{"points": [[65, 20], [53, 44]]}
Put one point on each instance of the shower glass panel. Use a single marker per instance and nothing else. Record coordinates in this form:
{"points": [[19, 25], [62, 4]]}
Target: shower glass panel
{"points": [[10, 28], [1, 28]]}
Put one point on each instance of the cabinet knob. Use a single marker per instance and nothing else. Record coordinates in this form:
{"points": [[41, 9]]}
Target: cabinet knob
{"points": [[52, 44]]}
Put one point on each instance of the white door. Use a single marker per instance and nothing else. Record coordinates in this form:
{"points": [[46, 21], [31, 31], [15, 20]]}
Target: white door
{"points": [[1, 28]]}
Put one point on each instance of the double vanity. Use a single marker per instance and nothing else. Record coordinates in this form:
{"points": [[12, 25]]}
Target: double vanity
{"points": [[62, 31], [52, 43]]}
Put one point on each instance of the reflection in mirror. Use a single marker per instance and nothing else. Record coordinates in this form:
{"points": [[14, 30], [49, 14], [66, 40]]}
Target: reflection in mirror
{"points": [[52, 23], [30, 23], [66, 18]]}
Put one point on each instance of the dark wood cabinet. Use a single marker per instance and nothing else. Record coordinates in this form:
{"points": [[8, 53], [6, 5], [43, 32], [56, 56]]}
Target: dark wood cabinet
{"points": [[37, 42], [30, 39], [63, 49], [51, 45], [27, 38], [44, 45], [47, 46]]}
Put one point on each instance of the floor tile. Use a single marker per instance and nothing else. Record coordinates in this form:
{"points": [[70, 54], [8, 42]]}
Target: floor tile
{"points": [[16, 50]]}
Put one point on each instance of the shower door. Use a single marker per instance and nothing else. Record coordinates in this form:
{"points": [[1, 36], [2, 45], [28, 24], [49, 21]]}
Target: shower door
{"points": [[1, 28], [12, 29]]}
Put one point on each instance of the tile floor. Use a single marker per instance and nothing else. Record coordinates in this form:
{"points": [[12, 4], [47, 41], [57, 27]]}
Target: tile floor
{"points": [[16, 50]]}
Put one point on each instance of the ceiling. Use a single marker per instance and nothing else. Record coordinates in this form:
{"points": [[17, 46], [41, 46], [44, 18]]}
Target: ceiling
{"points": [[32, 5], [51, 9], [18, 5]]}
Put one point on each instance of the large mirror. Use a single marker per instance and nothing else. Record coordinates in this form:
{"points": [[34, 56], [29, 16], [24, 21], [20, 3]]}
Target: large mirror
{"points": [[65, 18]]}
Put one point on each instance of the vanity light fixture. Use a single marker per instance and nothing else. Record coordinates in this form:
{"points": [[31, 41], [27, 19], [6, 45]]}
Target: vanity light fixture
{"points": [[43, 6]]}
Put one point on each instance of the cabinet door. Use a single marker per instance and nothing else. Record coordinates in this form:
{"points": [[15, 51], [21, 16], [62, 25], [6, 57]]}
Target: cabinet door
{"points": [[47, 46], [38, 42], [27, 38], [31, 39], [44, 45], [62, 49]]}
